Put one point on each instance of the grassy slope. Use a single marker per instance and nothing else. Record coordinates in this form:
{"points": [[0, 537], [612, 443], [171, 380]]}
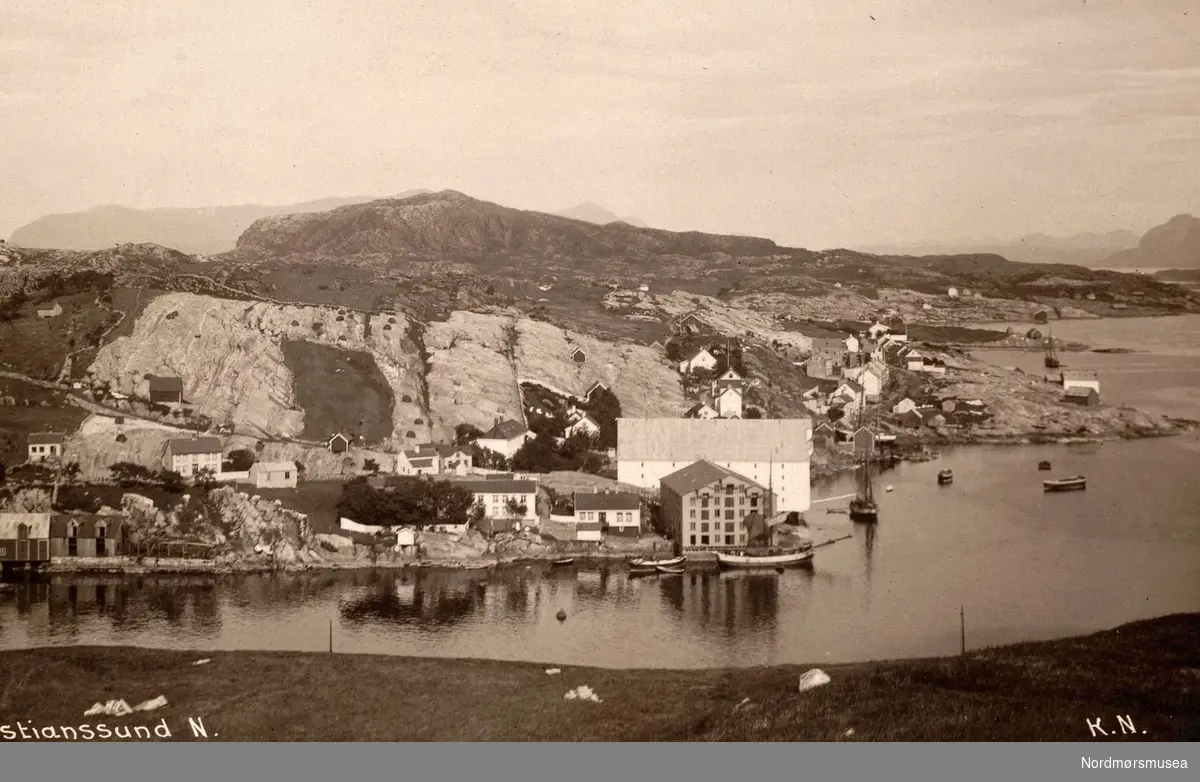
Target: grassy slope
{"points": [[16, 423], [36, 346], [336, 400], [1028, 692]]}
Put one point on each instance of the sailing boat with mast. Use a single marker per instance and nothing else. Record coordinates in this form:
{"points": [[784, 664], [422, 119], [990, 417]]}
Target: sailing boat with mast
{"points": [[863, 507], [759, 552], [1051, 354]]}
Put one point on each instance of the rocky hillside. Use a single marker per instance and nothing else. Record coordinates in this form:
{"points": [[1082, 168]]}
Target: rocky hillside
{"points": [[449, 223], [230, 356], [478, 360], [238, 370], [1173, 245]]}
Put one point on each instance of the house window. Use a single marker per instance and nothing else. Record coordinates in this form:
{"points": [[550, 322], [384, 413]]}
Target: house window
{"points": [[754, 502], [729, 502], [704, 540], [742, 500], [287, 476], [22, 531], [729, 540], [704, 526], [729, 526], [729, 514], [704, 502], [704, 514], [692, 541], [692, 499], [691, 514], [692, 527]]}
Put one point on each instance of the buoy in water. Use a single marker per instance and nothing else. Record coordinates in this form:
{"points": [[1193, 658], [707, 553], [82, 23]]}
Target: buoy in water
{"points": [[562, 615]]}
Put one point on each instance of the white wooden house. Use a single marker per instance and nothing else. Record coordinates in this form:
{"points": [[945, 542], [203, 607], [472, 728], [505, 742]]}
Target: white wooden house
{"points": [[273, 475], [729, 403], [702, 359]]}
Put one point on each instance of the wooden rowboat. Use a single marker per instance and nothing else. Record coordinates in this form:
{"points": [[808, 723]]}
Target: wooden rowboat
{"points": [[562, 562], [642, 570], [646, 562], [1074, 483], [671, 571], [796, 558]]}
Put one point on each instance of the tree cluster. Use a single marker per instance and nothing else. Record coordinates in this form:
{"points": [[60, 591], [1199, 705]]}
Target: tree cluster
{"points": [[409, 501], [544, 454], [604, 406], [129, 475]]}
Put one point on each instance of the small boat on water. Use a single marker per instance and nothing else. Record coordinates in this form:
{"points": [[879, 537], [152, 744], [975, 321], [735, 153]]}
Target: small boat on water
{"points": [[480, 566], [647, 562], [864, 510], [1043, 465], [670, 571], [562, 562], [766, 558], [945, 477], [642, 570], [1074, 483]]}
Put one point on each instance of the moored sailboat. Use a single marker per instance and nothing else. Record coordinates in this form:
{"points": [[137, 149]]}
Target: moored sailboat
{"points": [[1051, 359], [863, 507]]}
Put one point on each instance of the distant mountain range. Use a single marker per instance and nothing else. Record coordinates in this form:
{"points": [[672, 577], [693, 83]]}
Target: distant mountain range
{"points": [[206, 230], [593, 213], [1085, 249], [201, 230], [1173, 245]]}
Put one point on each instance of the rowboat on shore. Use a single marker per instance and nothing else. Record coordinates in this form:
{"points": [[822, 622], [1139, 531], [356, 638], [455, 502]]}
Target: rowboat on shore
{"points": [[1074, 483], [647, 562]]}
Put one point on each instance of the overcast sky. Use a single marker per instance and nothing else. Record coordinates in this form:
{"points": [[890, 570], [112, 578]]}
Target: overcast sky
{"points": [[807, 122]]}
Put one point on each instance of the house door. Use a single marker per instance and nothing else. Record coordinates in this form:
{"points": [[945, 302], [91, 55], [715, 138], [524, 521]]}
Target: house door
{"points": [[43, 550], [22, 550]]}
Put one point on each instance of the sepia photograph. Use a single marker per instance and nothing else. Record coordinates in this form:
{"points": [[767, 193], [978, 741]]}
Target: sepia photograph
{"points": [[621, 371]]}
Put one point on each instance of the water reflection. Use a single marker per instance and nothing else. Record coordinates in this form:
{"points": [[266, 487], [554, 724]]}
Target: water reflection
{"points": [[428, 600], [732, 601]]}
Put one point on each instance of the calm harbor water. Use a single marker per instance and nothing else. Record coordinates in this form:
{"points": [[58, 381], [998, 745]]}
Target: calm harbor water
{"points": [[1023, 564]]}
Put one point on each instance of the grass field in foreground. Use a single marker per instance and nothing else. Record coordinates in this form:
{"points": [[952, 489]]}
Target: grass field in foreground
{"points": [[1044, 691]]}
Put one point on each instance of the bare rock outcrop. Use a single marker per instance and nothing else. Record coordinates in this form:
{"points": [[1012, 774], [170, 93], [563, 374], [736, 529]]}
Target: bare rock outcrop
{"points": [[230, 357], [477, 361]]}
